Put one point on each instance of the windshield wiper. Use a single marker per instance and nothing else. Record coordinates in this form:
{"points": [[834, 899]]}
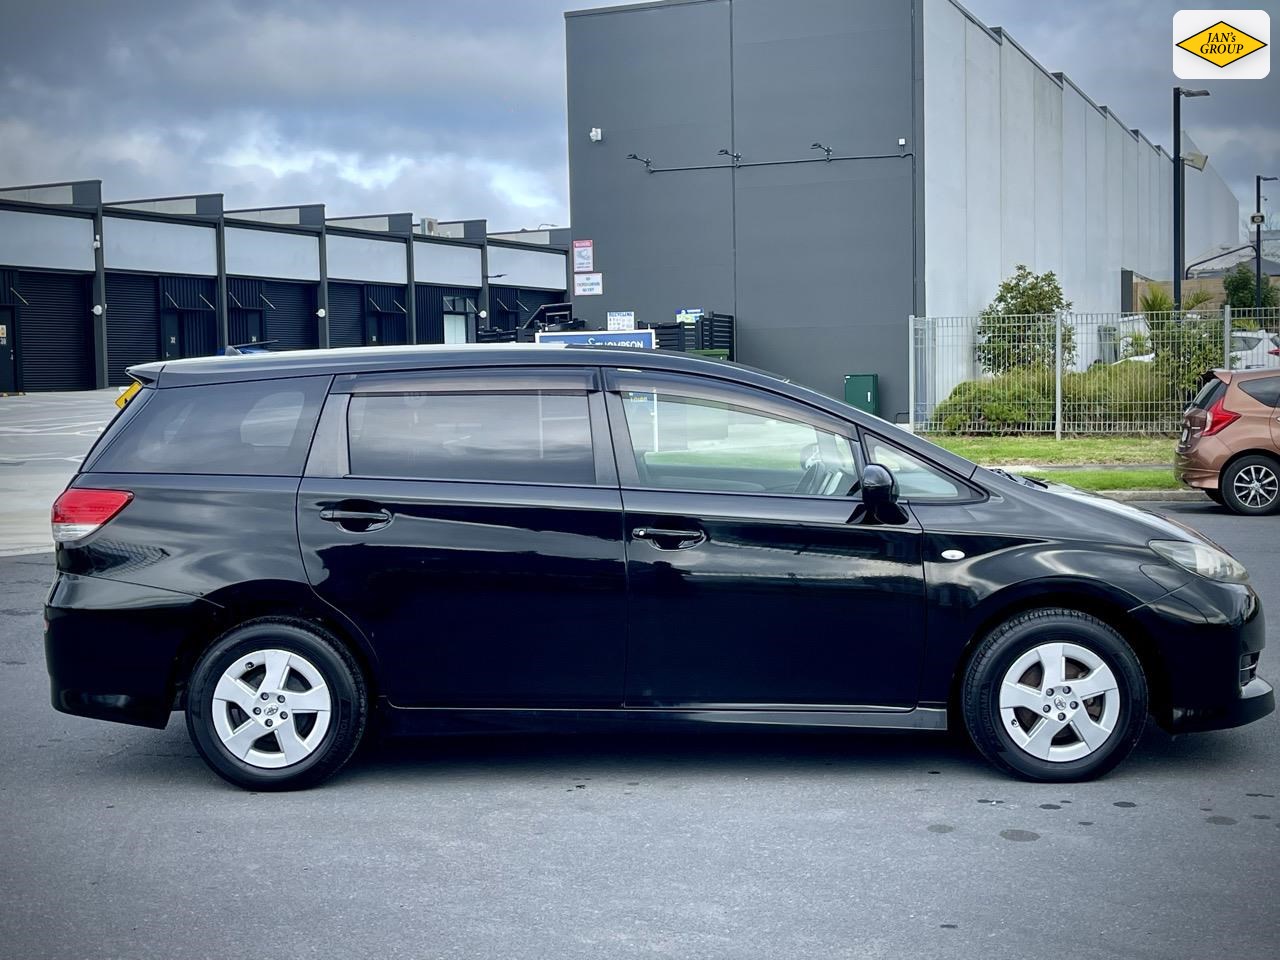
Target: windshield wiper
{"points": [[1019, 478]]}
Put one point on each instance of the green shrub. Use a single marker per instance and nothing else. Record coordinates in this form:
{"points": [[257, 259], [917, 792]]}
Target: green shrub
{"points": [[1128, 397]]}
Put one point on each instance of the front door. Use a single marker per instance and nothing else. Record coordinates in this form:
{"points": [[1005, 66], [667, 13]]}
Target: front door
{"points": [[754, 578], [8, 350], [470, 524]]}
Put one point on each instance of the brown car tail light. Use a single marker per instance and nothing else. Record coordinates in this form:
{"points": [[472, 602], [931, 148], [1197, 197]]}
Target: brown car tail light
{"points": [[1218, 417], [79, 512]]}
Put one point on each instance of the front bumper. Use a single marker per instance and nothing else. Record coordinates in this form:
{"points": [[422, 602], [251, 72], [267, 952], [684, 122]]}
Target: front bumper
{"points": [[112, 648], [1210, 637]]}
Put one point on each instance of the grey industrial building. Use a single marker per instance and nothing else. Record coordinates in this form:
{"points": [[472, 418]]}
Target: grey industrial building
{"points": [[88, 288], [823, 169]]}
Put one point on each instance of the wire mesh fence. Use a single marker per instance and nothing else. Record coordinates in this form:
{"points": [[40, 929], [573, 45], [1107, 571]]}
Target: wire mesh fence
{"points": [[1077, 373]]}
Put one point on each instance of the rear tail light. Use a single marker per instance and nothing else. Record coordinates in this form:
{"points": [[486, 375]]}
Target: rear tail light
{"points": [[79, 512], [1218, 417]]}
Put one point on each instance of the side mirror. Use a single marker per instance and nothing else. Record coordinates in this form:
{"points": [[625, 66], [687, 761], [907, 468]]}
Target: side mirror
{"points": [[880, 495]]}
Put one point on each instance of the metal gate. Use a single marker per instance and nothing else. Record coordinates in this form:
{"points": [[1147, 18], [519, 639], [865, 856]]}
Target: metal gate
{"points": [[133, 324], [346, 315], [55, 346]]}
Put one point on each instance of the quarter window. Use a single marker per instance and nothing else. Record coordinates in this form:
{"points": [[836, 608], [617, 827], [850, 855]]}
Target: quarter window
{"points": [[251, 429], [916, 479], [684, 443], [1265, 390], [533, 437]]}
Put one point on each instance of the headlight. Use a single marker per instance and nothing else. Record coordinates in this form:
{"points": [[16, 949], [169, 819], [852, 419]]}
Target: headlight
{"points": [[1202, 559]]}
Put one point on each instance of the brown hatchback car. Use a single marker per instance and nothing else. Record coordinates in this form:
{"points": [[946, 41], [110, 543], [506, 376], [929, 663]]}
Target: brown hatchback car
{"points": [[1230, 443]]}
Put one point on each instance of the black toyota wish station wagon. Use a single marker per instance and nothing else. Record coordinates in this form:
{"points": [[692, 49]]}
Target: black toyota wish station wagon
{"points": [[288, 547]]}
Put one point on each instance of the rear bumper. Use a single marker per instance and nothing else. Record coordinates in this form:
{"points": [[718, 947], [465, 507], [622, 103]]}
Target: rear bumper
{"points": [[1200, 465], [112, 648]]}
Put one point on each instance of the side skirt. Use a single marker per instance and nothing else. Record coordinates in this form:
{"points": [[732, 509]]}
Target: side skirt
{"points": [[412, 721]]}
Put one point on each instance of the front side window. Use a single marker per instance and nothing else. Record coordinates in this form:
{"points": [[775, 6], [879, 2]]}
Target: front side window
{"points": [[530, 437], [683, 443], [916, 479]]}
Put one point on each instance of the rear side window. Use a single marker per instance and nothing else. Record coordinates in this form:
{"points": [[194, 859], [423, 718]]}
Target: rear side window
{"points": [[1209, 393], [1265, 390], [526, 437], [248, 429]]}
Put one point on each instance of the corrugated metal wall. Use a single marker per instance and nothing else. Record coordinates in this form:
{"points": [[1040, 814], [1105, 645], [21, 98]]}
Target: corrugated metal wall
{"points": [[346, 315], [290, 317], [510, 307], [244, 310], [191, 298], [429, 306], [133, 323], [55, 335], [384, 308]]}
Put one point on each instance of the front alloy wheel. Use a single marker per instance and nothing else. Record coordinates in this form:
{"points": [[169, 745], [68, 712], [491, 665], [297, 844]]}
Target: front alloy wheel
{"points": [[1054, 695]]}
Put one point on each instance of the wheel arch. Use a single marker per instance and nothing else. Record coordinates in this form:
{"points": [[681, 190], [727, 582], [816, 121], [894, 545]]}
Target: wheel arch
{"points": [[239, 603], [1103, 601]]}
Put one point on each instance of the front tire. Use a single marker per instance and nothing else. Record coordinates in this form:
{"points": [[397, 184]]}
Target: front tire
{"points": [[276, 704], [1251, 486], [1054, 695]]}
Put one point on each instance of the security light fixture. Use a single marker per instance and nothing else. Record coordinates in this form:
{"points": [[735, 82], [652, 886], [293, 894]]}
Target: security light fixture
{"points": [[723, 152], [1195, 93], [321, 313], [645, 160], [823, 147], [494, 276], [596, 134], [97, 309], [1196, 160]]}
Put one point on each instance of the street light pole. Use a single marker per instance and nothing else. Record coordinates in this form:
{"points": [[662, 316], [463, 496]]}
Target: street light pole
{"points": [[1257, 243], [1179, 196]]}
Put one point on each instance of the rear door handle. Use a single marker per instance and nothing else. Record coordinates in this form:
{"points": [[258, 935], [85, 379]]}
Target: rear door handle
{"points": [[374, 518], [669, 539]]}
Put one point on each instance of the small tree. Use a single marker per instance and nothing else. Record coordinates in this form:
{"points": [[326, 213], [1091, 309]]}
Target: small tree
{"points": [[1238, 284], [1018, 329], [1184, 346]]}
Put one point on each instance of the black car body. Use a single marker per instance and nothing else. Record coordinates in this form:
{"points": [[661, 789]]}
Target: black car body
{"points": [[492, 535]]}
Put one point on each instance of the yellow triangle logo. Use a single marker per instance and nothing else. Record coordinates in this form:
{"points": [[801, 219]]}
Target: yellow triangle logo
{"points": [[1221, 44]]}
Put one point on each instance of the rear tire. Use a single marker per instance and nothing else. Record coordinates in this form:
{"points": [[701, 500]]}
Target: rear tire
{"points": [[1054, 695], [276, 704], [1251, 486]]}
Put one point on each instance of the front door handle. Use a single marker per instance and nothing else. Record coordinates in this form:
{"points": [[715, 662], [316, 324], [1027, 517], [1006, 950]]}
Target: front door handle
{"points": [[364, 520], [669, 539]]}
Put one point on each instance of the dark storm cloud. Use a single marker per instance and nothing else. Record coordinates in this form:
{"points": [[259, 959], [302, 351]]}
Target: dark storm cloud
{"points": [[445, 107]]}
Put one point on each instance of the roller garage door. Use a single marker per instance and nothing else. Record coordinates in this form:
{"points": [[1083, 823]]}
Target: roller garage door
{"points": [[290, 317], [133, 324], [244, 310], [55, 342], [346, 315]]}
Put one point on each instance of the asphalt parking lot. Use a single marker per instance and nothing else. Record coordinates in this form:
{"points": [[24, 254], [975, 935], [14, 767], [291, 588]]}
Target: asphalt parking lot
{"points": [[118, 842]]}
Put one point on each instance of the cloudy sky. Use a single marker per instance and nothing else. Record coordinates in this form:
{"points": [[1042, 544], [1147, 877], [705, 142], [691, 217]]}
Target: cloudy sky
{"points": [[448, 108]]}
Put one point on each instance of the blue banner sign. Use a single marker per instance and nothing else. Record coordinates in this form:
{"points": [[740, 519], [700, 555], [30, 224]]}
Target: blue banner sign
{"points": [[600, 338]]}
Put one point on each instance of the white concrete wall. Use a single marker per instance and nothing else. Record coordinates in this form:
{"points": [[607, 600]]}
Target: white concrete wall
{"points": [[45, 240], [528, 268], [1022, 167], [448, 264], [266, 253], [154, 245], [363, 258]]}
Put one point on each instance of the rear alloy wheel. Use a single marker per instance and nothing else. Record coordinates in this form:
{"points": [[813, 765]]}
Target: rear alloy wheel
{"points": [[1251, 486], [276, 705], [1055, 695]]}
